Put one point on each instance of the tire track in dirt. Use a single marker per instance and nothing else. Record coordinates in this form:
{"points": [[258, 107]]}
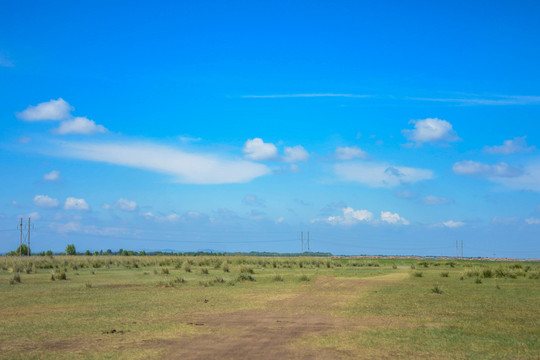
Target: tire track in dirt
{"points": [[270, 333]]}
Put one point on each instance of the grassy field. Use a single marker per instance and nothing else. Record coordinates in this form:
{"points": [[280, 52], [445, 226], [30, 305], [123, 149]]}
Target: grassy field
{"points": [[269, 308]]}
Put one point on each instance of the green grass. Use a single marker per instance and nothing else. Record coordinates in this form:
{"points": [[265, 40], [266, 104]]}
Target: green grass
{"points": [[431, 315]]}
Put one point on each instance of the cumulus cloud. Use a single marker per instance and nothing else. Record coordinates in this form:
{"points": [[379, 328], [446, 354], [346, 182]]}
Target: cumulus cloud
{"points": [[349, 217], [280, 219], [349, 152], [430, 130], [54, 175], [295, 154], [516, 145], [393, 219], [380, 175], [76, 204], [126, 205], [532, 221], [473, 168], [45, 201], [453, 224], [256, 149], [190, 168], [79, 125], [60, 110], [434, 200], [51, 110]]}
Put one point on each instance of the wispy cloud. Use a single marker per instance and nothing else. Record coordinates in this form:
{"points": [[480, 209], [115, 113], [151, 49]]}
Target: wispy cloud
{"points": [[491, 100], [380, 175], [278, 96], [516, 145], [191, 168], [5, 62]]}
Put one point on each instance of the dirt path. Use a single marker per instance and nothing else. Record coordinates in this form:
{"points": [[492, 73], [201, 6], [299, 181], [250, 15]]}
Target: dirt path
{"points": [[270, 333]]}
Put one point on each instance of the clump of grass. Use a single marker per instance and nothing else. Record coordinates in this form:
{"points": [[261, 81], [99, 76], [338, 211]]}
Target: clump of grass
{"points": [[245, 277], [205, 283], [461, 278], [478, 281], [59, 275], [92, 272], [394, 266], [487, 273], [445, 274], [187, 267], [535, 276], [472, 273], [165, 271], [278, 278], [418, 274], [304, 278], [155, 272], [246, 270], [204, 271], [497, 287], [225, 268], [436, 290], [219, 280], [179, 280], [16, 279], [413, 267], [88, 284]]}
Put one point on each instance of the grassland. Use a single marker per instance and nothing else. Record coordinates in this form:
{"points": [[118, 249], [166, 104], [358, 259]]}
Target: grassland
{"points": [[251, 307]]}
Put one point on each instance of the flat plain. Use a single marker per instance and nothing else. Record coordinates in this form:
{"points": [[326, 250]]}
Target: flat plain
{"points": [[236, 307]]}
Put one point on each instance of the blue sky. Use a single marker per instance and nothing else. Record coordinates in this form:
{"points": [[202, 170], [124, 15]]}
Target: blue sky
{"points": [[380, 128]]}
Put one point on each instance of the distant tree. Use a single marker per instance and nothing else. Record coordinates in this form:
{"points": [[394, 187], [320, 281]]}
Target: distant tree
{"points": [[96, 253], [142, 253], [109, 251], [70, 250], [87, 253], [120, 251], [125, 253], [21, 250], [49, 253]]}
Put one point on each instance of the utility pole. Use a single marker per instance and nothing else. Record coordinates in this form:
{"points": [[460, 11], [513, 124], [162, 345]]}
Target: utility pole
{"points": [[28, 236], [457, 253], [308, 241], [20, 240], [302, 240]]}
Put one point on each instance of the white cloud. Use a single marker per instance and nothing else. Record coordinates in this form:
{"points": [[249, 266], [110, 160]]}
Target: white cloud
{"points": [[24, 139], [280, 219], [126, 205], [294, 168], [434, 200], [79, 125], [45, 201], [393, 219], [52, 176], [295, 154], [494, 100], [186, 167], [517, 145], [349, 217], [257, 149], [453, 224], [162, 218], [473, 168], [305, 96], [528, 179], [186, 138], [349, 152], [33, 216], [380, 175], [532, 221], [76, 204], [51, 110], [405, 194], [431, 130]]}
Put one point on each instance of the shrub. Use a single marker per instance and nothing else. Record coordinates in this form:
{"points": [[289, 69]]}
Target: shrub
{"points": [[413, 267], [245, 277], [88, 284], [204, 271], [246, 270], [219, 280], [418, 274], [534, 276], [472, 273], [500, 273], [436, 290], [278, 278], [394, 266], [225, 267], [187, 267], [477, 281], [445, 274], [205, 283], [179, 280], [165, 271], [304, 278], [487, 273]]}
